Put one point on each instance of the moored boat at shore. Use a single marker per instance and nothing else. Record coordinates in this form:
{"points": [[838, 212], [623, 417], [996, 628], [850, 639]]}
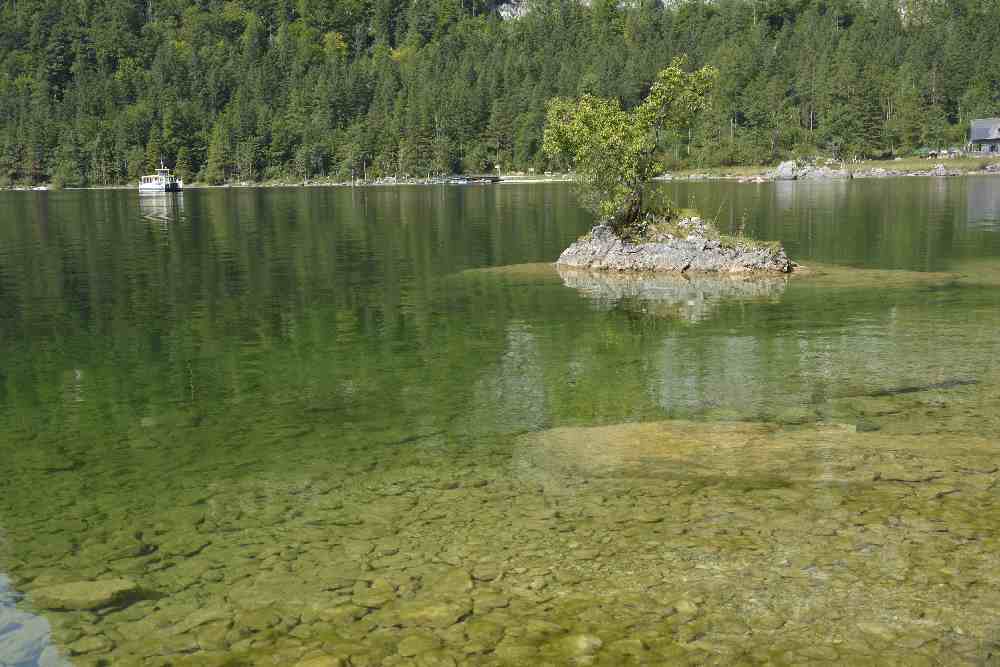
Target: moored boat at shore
{"points": [[161, 181]]}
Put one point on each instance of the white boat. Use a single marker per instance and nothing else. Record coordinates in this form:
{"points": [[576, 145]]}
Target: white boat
{"points": [[161, 181]]}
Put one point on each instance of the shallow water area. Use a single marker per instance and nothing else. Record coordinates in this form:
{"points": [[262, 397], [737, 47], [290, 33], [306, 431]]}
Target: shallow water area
{"points": [[378, 427]]}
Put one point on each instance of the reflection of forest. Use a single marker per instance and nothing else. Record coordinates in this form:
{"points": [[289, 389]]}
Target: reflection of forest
{"points": [[903, 223], [262, 313], [325, 300]]}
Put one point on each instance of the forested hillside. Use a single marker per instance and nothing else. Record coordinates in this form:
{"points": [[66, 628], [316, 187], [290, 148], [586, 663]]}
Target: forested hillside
{"points": [[98, 92]]}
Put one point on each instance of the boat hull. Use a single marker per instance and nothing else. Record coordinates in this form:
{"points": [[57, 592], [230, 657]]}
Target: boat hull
{"points": [[153, 188]]}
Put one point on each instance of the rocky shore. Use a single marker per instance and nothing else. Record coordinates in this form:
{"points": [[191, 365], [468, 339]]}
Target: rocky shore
{"points": [[792, 171], [689, 245]]}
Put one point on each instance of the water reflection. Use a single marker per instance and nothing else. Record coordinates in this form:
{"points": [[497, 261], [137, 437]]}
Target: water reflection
{"points": [[983, 203], [688, 297], [162, 207], [25, 639], [921, 224], [309, 407]]}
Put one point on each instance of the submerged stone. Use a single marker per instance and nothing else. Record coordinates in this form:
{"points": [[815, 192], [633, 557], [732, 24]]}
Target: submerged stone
{"points": [[84, 595], [578, 645], [433, 613], [415, 644], [321, 661]]}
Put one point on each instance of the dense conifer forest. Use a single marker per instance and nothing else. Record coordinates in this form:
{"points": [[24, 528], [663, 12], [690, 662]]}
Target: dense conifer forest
{"points": [[99, 92]]}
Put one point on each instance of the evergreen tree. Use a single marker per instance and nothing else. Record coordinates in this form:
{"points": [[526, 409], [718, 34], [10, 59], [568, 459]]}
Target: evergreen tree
{"points": [[254, 89]]}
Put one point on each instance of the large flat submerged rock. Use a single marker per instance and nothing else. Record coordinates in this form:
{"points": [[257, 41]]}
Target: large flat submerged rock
{"points": [[690, 246]]}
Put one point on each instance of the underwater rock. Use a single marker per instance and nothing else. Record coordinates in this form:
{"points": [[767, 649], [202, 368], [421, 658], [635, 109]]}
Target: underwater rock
{"points": [[84, 595], [433, 613], [695, 250], [91, 644], [453, 582], [322, 661], [415, 644], [579, 645]]}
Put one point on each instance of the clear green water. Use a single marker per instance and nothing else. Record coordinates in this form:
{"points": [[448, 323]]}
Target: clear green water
{"points": [[309, 424]]}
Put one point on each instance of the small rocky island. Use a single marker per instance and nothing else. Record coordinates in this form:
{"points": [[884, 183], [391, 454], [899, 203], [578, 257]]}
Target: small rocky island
{"points": [[688, 244], [614, 153]]}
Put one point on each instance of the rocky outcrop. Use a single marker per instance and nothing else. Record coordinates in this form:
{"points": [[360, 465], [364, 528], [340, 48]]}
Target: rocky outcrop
{"points": [[694, 248], [809, 173], [786, 171], [791, 171]]}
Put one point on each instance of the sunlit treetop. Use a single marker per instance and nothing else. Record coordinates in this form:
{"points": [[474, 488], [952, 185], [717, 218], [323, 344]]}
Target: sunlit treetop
{"points": [[613, 151]]}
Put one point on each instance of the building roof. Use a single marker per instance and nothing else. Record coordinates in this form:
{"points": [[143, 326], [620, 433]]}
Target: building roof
{"points": [[985, 128]]}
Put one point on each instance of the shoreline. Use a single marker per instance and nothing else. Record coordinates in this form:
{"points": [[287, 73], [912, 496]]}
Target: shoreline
{"points": [[756, 175]]}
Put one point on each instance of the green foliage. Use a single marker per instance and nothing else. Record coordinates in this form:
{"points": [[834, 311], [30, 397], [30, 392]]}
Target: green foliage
{"points": [[254, 89], [614, 151]]}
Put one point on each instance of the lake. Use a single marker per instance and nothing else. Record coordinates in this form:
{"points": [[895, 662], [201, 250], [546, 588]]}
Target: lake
{"points": [[375, 426]]}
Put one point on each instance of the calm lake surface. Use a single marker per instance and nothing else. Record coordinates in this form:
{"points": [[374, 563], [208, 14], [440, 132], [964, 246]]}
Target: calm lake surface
{"points": [[372, 427]]}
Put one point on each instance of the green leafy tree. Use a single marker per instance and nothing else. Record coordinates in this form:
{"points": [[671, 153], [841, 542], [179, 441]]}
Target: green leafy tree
{"points": [[614, 150]]}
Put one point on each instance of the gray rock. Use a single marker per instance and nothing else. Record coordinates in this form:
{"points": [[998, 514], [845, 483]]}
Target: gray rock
{"points": [[84, 595], [603, 249], [822, 174], [786, 171], [877, 172]]}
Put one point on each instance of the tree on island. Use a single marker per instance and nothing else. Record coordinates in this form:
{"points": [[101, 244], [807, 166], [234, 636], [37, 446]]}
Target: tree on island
{"points": [[614, 151]]}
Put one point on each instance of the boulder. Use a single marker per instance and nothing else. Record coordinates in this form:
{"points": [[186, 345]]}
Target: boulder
{"points": [[84, 595], [786, 171]]}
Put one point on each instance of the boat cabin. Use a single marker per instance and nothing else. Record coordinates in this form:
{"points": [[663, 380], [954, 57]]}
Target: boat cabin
{"points": [[161, 181]]}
